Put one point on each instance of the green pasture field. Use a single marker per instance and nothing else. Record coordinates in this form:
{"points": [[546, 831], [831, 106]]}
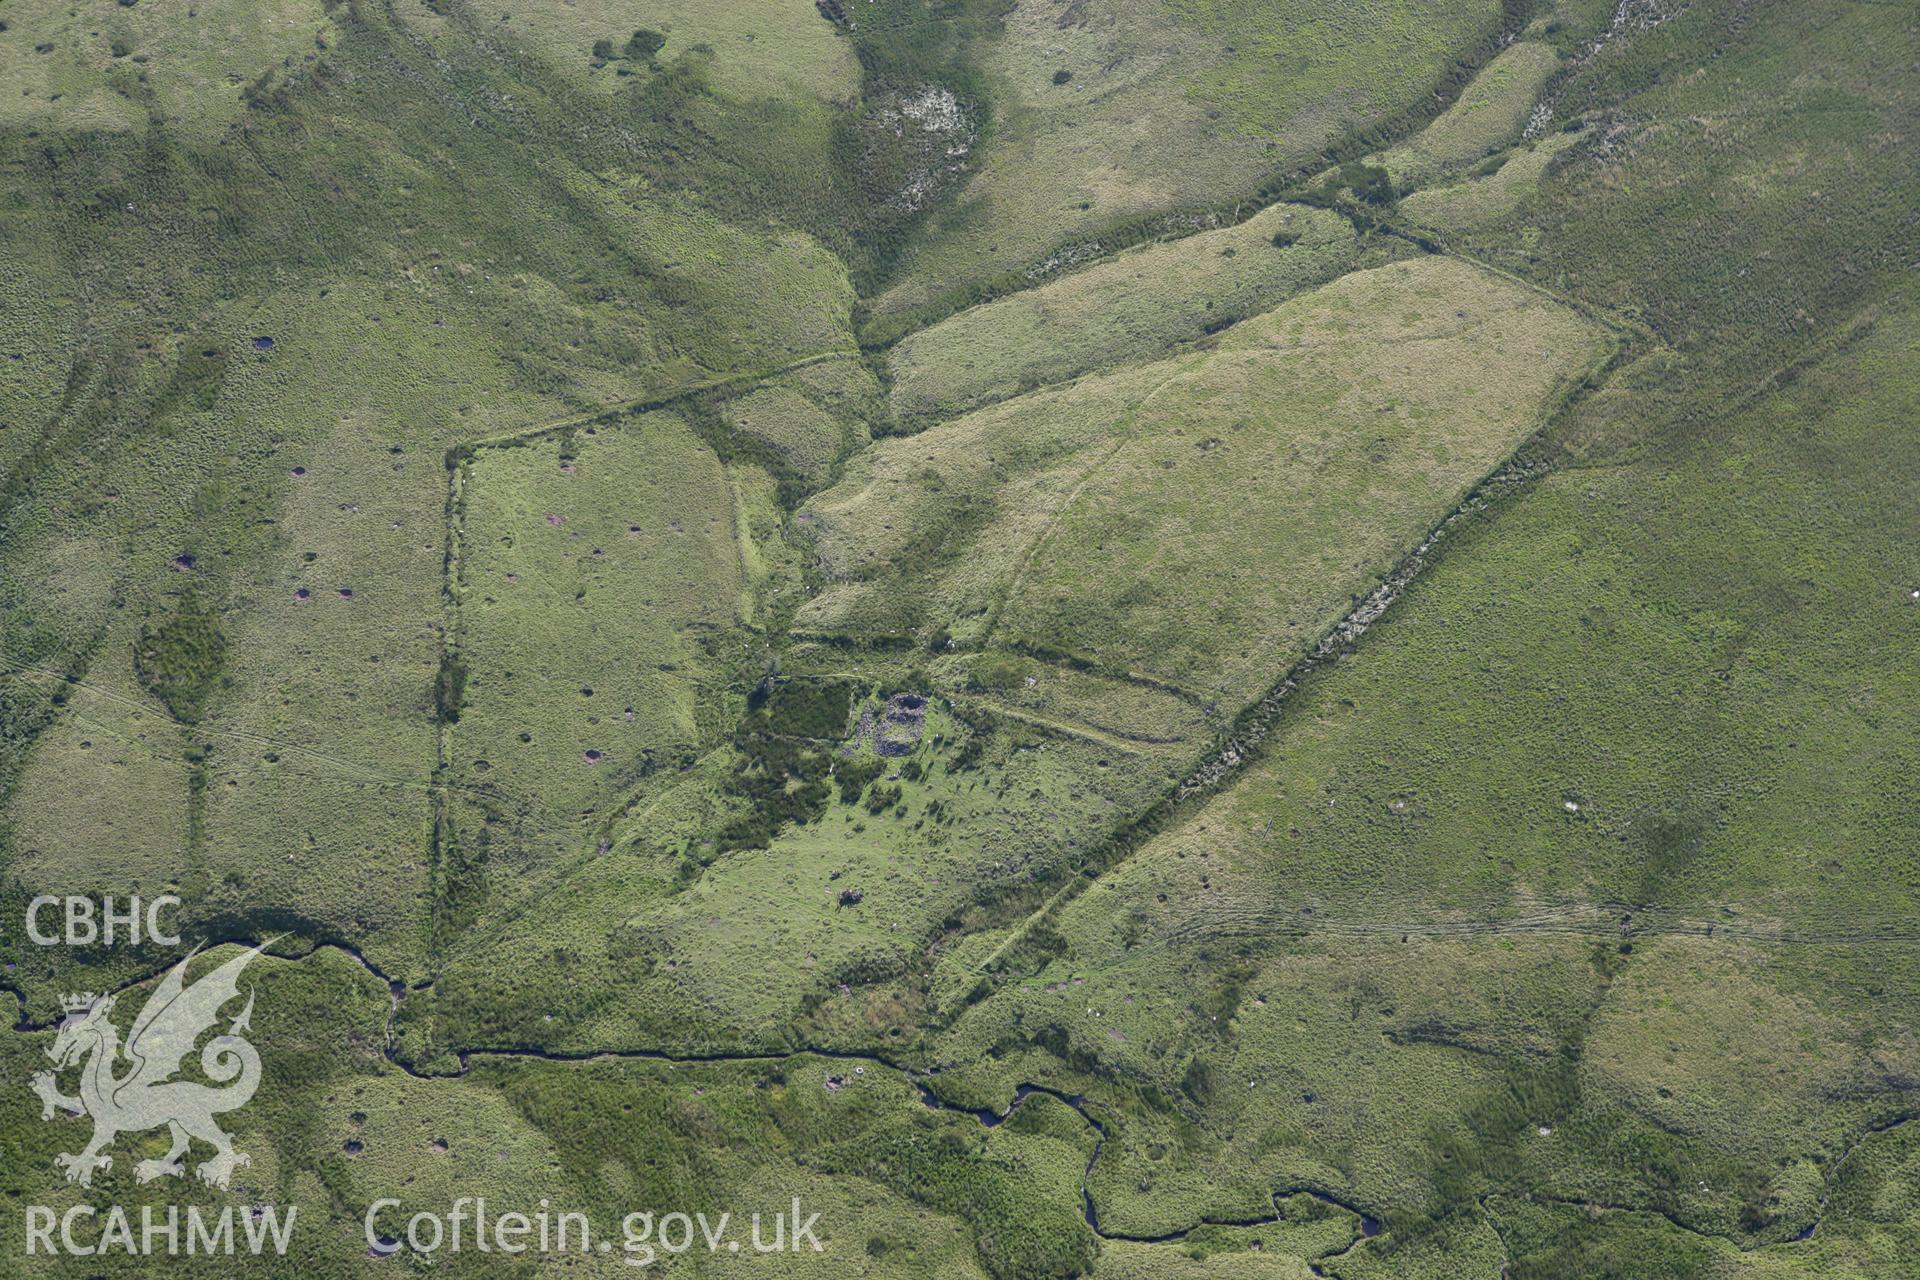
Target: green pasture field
{"points": [[291, 439], [1302, 72], [310, 749], [1392, 411], [718, 952], [1701, 990], [35, 295], [1479, 197], [813, 418], [706, 947], [602, 591], [927, 532]]}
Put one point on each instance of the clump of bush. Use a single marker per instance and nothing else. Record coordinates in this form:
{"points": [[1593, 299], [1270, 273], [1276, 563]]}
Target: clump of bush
{"points": [[1491, 165], [778, 770], [1362, 183], [809, 709], [641, 46], [1368, 183], [780, 781], [181, 659], [852, 777], [880, 799]]}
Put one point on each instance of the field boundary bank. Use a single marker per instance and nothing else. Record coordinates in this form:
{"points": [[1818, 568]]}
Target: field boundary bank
{"points": [[457, 459]]}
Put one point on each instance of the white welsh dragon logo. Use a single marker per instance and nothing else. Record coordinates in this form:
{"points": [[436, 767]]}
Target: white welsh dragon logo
{"points": [[148, 1096]]}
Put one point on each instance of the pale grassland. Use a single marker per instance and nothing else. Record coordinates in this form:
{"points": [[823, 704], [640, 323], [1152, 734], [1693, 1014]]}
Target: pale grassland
{"points": [[1136, 306], [324, 745], [1490, 113], [807, 436], [107, 66], [1270, 483], [928, 531], [1260, 485], [36, 356], [761, 50], [1510, 830], [1300, 72], [1563, 923], [735, 950], [317, 744], [105, 799], [812, 416], [316, 465]]}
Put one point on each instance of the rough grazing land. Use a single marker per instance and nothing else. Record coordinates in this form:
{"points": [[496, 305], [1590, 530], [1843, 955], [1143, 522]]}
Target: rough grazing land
{"points": [[1120, 639]]}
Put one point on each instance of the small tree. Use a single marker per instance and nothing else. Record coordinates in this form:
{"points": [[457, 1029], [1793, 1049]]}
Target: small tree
{"points": [[644, 44], [602, 50]]}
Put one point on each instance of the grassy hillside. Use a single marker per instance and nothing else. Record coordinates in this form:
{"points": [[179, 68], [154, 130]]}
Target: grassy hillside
{"points": [[1594, 837], [1167, 105], [1494, 109], [1344, 429]]}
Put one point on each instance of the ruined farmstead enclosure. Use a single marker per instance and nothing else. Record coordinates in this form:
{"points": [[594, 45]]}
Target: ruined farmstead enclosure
{"points": [[892, 728]]}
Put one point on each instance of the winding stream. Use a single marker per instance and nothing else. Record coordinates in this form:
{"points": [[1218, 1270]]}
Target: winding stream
{"points": [[1368, 1226]]}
